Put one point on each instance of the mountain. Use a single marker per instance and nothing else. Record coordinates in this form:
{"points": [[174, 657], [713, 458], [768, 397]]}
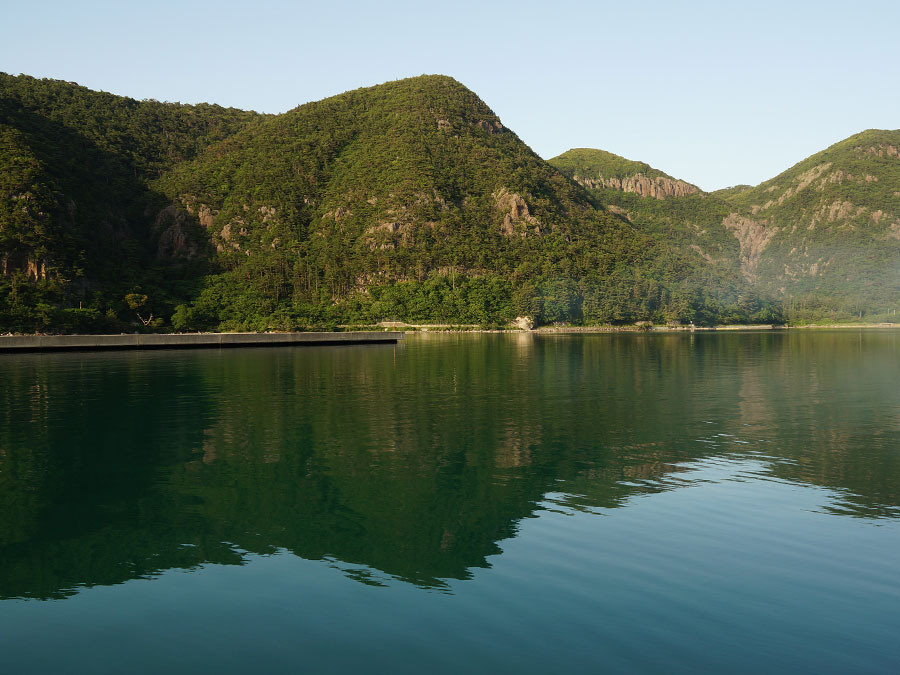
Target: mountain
{"points": [[405, 200], [666, 208], [599, 169], [76, 231], [823, 238], [825, 234], [412, 200], [729, 191]]}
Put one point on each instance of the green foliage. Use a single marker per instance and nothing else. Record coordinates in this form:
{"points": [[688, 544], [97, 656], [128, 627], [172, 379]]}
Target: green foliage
{"points": [[724, 193], [135, 300], [400, 185]]}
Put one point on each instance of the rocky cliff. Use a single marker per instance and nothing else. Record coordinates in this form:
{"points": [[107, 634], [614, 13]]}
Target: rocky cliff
{"points": [[658, 187]]}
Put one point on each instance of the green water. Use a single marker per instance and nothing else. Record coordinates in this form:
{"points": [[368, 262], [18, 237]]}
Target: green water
{"points": [[457, 503]]}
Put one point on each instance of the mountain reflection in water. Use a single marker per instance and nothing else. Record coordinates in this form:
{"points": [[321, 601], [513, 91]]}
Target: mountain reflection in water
{"points": [[413, 462]]}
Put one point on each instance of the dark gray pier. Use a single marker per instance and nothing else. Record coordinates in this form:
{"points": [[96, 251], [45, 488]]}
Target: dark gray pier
{"points": [[40, 343]]}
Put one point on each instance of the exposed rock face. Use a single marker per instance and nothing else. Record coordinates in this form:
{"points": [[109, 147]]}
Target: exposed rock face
{"points": [[703, 254], [173, 241], [882, 150], [839, 210], [753, 237], [491, 126], [803, 181], [618, 210], [34, 270], [815, 178], [382, 235], [524, 323], [206, 216], [658, 187], [894, 230], [517, 219]]}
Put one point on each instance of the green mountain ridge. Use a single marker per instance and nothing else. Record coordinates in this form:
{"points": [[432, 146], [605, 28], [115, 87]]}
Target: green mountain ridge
{"points": [[589, 162], [598, 169], [408, 200], [75, 228], [405, 200]]}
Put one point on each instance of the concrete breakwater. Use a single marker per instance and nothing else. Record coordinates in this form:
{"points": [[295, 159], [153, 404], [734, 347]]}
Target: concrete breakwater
{"points": [[39, 343]]}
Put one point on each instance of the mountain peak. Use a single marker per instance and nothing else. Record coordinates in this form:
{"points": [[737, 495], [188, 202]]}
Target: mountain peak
{"points": [[600, 169]]}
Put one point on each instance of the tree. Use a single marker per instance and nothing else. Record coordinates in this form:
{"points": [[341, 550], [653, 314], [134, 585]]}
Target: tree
{"points": [[136, 301]]}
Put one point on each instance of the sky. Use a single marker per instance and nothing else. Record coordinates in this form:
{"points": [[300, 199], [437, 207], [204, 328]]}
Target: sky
{"points": [[716, 93]]}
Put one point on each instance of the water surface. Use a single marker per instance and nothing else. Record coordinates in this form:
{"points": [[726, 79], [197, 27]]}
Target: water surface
{"points": [[456, 503]]}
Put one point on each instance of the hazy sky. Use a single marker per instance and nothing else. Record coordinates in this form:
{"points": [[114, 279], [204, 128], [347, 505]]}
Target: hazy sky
{"points": [[717, 93]]}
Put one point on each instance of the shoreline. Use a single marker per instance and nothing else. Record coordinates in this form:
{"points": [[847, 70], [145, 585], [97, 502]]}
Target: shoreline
{"points": [[731, 328], [373, 335], [562, 330], [847, 325]]}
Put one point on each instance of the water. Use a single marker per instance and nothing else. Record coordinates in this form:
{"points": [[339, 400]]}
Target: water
{"points": [[477, 503]]}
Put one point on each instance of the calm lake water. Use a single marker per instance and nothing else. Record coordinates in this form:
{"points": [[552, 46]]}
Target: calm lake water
{"points": [[457, 503]]}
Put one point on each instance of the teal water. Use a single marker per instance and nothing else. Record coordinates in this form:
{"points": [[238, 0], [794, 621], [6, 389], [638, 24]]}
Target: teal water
{"points": [[457, 503]]}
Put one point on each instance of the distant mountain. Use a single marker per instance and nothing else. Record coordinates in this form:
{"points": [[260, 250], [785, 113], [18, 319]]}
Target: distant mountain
{"points": [[668, 209], [599, 169], [406, 200], [730, 191], [825, 234], [823, 237]]}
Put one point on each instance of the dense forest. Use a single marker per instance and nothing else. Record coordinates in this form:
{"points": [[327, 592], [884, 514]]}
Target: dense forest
{"points": [[404, 201]]}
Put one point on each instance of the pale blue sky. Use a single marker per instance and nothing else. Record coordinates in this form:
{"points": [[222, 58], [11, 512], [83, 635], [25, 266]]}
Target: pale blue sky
{"points": [[716, 93]]}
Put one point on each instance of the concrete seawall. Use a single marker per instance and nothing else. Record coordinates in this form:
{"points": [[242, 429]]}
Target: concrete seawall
{"points": [[40, 343]]}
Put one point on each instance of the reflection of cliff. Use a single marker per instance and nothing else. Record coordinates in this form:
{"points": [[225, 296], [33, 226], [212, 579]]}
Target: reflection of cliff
{"points": [[414, 461], [825, 405], [338, 453], [372, 462], [418, 466]]}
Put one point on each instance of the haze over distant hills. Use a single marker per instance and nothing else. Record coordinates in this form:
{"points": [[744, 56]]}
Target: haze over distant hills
{"points": [[823, 237], [408, 200]]}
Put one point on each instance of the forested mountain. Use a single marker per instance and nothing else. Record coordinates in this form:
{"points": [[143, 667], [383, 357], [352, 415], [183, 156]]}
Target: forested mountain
{"points": [[78, 224], [664, 207], [599, 169], [407, 200], [823, 237], [825, 234]]}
